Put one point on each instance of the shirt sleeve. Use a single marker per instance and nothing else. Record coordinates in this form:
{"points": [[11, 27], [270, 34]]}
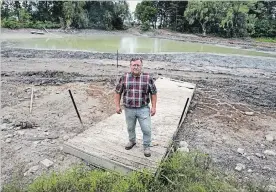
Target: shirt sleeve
{"points": [[120, 85], [152, 87]]}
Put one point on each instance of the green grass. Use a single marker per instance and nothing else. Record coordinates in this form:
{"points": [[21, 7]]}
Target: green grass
{"points": [[190, 172], [266, 39]]}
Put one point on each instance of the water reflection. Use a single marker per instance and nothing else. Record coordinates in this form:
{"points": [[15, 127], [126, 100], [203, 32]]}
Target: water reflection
{"points": [[156, 46], [138, 45], [129, 44]]}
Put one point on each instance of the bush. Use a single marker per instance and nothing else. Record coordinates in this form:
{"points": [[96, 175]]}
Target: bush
{"points": [[181, 172], [145, 26], [11, 23], [117, 23], [46, 24], [261, 28], [265, 28]]}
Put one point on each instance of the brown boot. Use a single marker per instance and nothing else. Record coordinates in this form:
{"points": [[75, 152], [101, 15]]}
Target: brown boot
{"points": [[129, 145]]}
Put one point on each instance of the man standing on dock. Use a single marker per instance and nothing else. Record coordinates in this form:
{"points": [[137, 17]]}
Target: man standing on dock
{"points": [[138, 89]]}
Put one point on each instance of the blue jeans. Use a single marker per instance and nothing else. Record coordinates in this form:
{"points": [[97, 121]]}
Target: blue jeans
{"points": [[144, 118]]}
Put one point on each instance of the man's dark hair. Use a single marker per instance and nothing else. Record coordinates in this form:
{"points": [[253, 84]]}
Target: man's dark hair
{"points": [[135, 59]]}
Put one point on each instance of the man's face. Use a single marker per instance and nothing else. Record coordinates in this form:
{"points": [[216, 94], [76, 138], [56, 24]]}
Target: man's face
{"points": [[136, 67]]}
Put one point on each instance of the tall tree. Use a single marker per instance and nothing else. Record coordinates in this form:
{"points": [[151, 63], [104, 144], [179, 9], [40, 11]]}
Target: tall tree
{"points": [[6, 7], [236, 20], [175, 12], [107, 15], [119, 13], [146, 12], [163, 12], [27, 6], [68, 11], [42, 12], [56, 11], [202, 12], [80, 17], [17, 7], [265, 12]]}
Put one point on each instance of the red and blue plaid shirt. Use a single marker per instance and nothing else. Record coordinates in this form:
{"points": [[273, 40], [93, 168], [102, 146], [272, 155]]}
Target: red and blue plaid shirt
{"points": [[136, 89]]}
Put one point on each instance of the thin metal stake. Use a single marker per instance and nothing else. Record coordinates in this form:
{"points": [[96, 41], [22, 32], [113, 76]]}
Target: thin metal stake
{"points": [[117, 57], [75, 107], [181, 118], [117, 67]]}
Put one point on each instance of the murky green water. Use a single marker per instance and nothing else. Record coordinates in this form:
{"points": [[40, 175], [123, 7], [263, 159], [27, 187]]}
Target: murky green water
{"points": [[104, 43]]}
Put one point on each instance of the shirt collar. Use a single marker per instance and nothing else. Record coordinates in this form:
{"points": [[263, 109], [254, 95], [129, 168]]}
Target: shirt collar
{"points": [[134, 75]]}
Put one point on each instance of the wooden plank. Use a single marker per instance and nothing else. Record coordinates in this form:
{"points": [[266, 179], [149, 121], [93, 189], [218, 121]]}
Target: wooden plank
{"points": [[118, 145], [97, 160], [137, 163], [136, 154], [119, 138], [103, 144], [37, 32]]}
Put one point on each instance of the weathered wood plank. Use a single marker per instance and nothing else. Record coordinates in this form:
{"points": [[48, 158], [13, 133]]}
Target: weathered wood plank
{"points": [[97, 160], [120, 156], [103, 144], [119, 144]]}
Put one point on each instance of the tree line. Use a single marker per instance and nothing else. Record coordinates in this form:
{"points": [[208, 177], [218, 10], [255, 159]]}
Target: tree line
{"points": [[107, 15], [221, 18]]}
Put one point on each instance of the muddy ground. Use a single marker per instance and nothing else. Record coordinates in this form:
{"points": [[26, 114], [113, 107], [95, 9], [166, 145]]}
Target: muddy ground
{"points": [[234, 106]]}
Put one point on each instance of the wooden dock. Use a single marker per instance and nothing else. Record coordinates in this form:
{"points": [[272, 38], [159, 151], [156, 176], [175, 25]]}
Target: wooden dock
{"points": [[103, 144]]}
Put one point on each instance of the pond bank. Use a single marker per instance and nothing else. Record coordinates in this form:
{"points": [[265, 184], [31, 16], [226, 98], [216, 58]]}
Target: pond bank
{"points": [[245, 44]]}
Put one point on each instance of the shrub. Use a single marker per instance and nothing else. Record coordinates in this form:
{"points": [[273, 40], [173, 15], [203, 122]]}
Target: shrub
{"points": [[181, 172], [145, 26], [11, 23]]}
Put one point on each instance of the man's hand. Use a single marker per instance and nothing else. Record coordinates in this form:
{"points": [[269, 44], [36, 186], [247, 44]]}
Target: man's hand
{"points": [[152, 111], [118, 110], [117, 99], [153, 101]]}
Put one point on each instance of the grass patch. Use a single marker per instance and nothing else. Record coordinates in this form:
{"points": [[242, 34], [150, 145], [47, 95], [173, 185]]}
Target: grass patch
{"points": [[190, 172], [265, 39]]}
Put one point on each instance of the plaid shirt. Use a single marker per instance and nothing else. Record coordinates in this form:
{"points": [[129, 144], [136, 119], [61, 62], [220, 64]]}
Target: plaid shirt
{"points": [[136, 90]]}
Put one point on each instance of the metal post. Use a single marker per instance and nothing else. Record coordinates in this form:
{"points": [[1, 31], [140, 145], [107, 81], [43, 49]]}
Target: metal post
{"points": [[117, 67], [181, 118], [75, 107]]}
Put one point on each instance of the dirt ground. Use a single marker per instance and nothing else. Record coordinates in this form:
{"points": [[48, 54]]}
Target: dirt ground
{"points": [[231, 109]]}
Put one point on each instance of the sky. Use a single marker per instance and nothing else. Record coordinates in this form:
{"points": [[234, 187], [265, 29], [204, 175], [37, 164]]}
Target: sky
{"points": [[132, 5]]}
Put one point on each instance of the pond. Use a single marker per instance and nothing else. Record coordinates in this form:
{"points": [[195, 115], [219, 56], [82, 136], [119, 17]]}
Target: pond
{"points": [[130, 44]]}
